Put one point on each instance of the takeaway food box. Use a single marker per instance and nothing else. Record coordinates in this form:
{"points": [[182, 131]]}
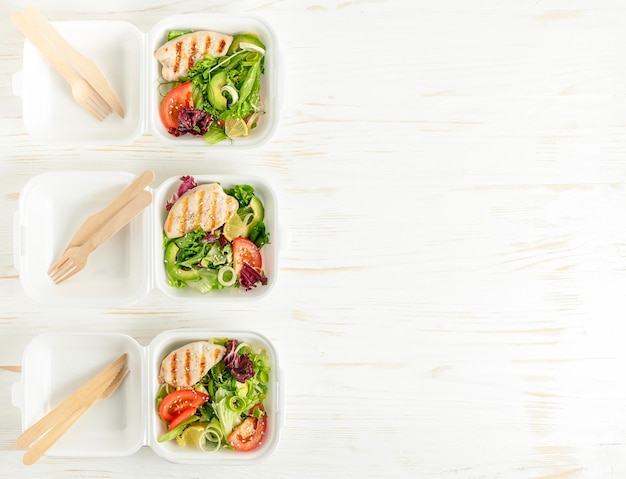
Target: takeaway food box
{"points": [[125, 56], [129, 265], [56, 364]]}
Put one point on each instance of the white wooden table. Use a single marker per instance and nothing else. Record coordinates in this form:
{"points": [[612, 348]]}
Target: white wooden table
{"points": [[453, 177]]}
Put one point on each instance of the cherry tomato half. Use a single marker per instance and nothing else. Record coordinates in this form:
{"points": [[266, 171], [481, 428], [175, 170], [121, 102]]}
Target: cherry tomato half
{"points": [[249, 434], [183, 402], [179, 97], [245, 251]]}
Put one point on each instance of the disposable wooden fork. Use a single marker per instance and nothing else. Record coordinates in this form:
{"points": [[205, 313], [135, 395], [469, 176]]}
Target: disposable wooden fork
{"points": [[85, 66], [75, 258], [82, 91], [52, 426], [98, 219]]}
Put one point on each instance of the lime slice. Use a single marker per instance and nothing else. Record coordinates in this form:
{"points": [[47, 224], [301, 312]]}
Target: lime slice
{"points": [[234, 228], [193, 435], [235, 128]]}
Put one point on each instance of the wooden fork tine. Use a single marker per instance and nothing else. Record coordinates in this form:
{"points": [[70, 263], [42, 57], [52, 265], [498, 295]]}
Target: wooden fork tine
{"points": [[98, 103], [75, 258], [63, 269], [56, 267], [66, 271]]}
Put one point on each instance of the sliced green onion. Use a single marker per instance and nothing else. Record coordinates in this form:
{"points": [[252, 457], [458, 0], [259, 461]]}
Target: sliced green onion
{"points": [[213, 436], [253, 47], [236, 404], [226, 276], [234, 95], [252, 120]]}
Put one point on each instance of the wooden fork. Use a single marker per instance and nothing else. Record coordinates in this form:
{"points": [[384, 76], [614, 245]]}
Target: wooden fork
{"points": [[53, 435], [83, 395], [82, 92], [75, 258]]}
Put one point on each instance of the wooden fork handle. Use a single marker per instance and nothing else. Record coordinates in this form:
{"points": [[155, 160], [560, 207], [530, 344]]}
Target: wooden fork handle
{"points": [[76, 399], [119, 219], [98, 219], [46, 442], [41, 43]]}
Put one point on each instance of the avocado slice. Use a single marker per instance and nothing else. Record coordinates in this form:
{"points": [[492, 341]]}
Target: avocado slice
{"points": [[216, 98], [257, 209], [175, 271], [244, 38]]}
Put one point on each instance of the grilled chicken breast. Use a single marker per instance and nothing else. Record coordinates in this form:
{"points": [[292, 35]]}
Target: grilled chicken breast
{"points": [[179, 55], [206, 206], [186, 366]]}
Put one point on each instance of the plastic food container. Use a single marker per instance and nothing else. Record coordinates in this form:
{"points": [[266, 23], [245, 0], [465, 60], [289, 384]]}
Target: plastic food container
{"points": [[130, 264], [56, 364], [125, 56]]}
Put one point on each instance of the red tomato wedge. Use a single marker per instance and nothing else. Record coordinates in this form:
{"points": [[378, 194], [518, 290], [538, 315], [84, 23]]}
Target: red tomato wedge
{"points": [[184, 414], [180, 405], [249, 434], [245, 251], [179, 97]]}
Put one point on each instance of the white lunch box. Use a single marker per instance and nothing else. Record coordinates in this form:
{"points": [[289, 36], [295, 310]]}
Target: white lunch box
{"points": [[125, 56], [55, 365], [123, 270]]}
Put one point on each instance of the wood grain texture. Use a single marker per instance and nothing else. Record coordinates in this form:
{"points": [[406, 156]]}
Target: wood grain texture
{"points": [[452, 178]]}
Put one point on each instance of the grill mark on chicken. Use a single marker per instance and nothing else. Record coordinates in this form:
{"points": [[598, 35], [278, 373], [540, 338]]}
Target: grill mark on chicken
{"points": [[207, 45], [213, 206], [187, 367], [203, 361], [168, 224], [179, 48], [192, 53], [200, 209], [173, 370], [185, 215], [221, 47]]}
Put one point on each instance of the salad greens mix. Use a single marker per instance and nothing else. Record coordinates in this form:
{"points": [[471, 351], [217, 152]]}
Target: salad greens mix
{"points": [[226, 91], [230, 413], [228, 257]]}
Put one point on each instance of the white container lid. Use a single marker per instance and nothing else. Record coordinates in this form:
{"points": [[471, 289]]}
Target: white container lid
{"points": [[125, 56], [56, 364], [124, 269]]}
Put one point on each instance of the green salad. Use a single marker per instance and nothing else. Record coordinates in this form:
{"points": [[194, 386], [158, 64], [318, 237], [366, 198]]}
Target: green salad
{"points": [[224, 409]]}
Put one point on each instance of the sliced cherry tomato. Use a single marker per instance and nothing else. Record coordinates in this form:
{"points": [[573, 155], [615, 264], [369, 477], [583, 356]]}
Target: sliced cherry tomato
{"points": [[249, 434], [245, 251], [177, 402], [182, 416], [179, 97]]}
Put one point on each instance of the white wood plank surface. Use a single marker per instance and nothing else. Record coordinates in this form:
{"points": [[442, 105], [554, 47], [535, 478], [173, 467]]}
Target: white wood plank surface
{"points": [[452, 177]]}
